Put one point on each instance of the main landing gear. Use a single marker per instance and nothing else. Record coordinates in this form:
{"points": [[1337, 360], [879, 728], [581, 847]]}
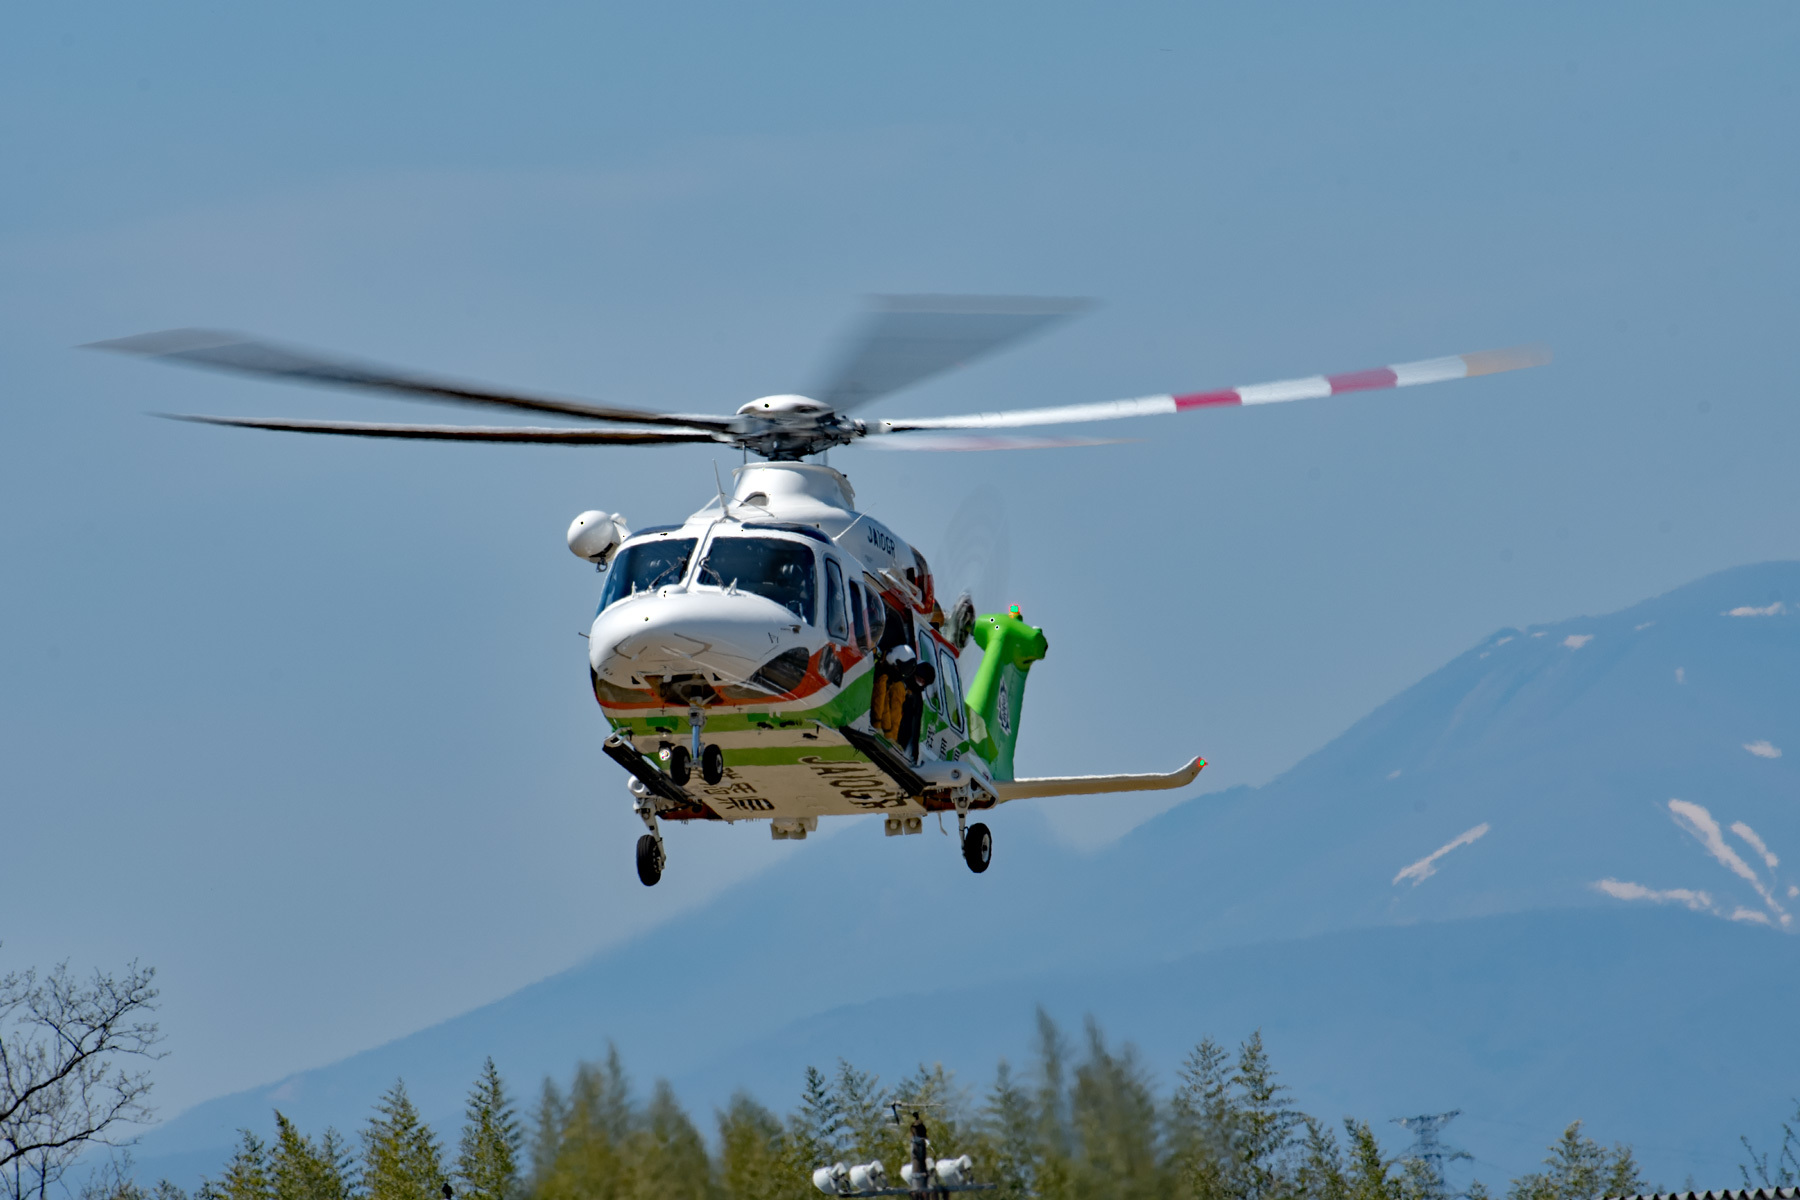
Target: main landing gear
{"points": [[977, 841], [978, 847]]}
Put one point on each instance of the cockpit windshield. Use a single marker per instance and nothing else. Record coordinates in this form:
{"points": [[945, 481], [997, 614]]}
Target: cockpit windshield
{"points": [[646, 566], [780, 570]]}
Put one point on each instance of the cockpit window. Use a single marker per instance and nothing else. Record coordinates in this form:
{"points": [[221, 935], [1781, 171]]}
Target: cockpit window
{"points": [[859, 617], [780, 570], [646, 566]]}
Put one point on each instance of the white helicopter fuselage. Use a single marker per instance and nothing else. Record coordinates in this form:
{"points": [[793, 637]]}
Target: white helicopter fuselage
{"points": [[765, 618]]}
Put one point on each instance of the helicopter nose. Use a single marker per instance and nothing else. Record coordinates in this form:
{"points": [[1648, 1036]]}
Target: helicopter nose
{"points": [[716, 635]]}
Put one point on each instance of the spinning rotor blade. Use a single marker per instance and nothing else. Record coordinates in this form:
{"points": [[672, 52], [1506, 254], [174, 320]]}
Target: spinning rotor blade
{"points": [[909, 338], [222, 351], [975, 551], [465, 433], [1431, 370], [988, 441]]}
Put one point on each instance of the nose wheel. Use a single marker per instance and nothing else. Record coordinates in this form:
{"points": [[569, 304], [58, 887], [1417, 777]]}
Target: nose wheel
{"points": [[712, 764], [651, 857]]}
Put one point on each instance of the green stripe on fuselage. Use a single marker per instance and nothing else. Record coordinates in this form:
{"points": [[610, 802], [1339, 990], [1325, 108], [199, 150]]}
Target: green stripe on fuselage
{"points": [[841, 709], [789, 756]]}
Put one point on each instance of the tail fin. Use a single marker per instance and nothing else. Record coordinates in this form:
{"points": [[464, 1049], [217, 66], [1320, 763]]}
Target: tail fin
{"points": [[1008, 648]]}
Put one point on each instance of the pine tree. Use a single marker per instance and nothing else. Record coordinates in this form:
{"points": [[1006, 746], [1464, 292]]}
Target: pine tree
{"points": [[1370, 1175], [863, 1114], [547, 1132], [599, 1103], [815, 1130], [1202, 1121], [588, 1166], [302, 1169], [246, 1175], [1113, 1113], [401, 1157], [1264, 1130], [612, 1096], [751, 1152], [1009, 1126], [583, 1158], [1579, 1168], [1320, 1175], [1054, 1138], [665, 1159], [487, 1159]]}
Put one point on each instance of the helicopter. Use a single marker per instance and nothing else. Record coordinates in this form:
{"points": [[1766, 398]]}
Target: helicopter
{"points": [[782, 655]]}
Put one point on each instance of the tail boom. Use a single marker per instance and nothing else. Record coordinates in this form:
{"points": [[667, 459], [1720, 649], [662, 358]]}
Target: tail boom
{"points": [[1094, 785]]}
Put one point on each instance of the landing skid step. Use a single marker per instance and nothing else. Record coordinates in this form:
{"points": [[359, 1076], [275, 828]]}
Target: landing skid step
{"points": [[620, 750], [885, 758]]}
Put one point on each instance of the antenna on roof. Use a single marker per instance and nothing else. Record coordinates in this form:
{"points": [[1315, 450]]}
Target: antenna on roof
{"points": [[719, 482]]}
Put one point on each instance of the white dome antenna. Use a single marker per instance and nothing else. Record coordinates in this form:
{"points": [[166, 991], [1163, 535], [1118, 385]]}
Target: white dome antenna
{"points": [[594, 535]]}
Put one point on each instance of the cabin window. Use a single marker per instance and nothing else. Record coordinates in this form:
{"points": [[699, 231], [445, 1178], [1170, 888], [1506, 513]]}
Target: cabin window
{"points": [[877, 611], [646, 566], [922, 578], [835, 626], [779, 570], [950, 688], [927, 654], [859, 617]]}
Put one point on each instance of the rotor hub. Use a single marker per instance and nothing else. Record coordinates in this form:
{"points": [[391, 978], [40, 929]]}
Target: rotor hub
{"points": [[789, 428]]}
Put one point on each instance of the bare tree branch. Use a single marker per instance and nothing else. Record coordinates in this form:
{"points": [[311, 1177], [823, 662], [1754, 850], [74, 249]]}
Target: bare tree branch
{"points": [[67, 1046]]}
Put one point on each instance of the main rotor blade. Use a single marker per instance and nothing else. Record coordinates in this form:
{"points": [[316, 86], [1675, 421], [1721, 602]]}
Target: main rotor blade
{"points": [[910, 338], [465, 433], [984, 441], [1431, 370], [222, 351]]}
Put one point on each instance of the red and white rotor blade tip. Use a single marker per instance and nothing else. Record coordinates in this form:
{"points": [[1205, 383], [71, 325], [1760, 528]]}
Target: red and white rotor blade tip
{"points": [[1313, 387]]}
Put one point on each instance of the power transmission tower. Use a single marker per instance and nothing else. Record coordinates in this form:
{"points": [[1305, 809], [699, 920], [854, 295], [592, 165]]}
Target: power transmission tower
{"points": [[1431, 1153]]}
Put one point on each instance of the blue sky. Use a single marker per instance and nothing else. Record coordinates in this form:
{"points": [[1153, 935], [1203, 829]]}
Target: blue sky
{"points": [[305, 724]]}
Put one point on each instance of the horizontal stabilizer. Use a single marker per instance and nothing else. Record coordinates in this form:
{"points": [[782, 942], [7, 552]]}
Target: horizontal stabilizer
{"points": [[1093, 785]]}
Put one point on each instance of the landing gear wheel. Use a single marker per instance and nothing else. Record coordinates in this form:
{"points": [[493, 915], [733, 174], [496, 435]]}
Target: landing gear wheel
{"points": [[650, 860], [978, 847], [681, 765], [712, 765]]}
